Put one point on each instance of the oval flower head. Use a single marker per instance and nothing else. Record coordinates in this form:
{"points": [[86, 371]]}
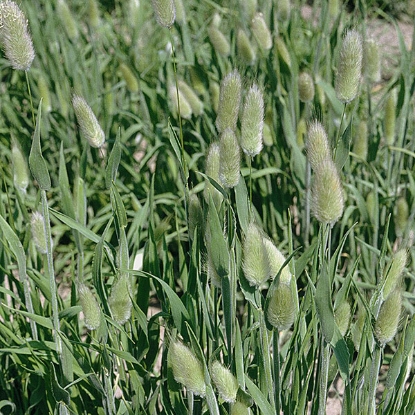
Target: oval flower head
{"points": [[15, 37], [87, 122], [349, 69]]}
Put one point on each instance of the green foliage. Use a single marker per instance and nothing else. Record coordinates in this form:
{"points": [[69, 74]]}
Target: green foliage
{"points": [[156, 243]]}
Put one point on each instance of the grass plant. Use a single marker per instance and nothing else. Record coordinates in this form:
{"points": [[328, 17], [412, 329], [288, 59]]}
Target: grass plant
{"points": [[210, 211]]}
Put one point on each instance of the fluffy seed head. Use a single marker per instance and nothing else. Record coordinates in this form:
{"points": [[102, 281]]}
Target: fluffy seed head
{"points": [[15, 37], [229, 101], [349, 67], [219, 41], [68, 21], [388, 318], [371, 206], [305, 87], [20, 171], [261, 32], [360, 145], [229, 159], [276, 259], [371, 60], [129, 78], [176, 101], [195, 103], [165, 11], [90, 307], [401, 216], [394, 272], [88, 123], [37, 225], [187, 369], [317, 145], [342, 317], [212, 170], [267, 135], [225, 382], [244, 47], [252, 122], [281, 309], [326, 194], [255, 263], [390, 118], [119, 301]]}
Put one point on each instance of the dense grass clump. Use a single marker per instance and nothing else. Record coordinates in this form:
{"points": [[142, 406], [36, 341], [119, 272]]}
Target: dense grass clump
{"points": [[207, 208]]}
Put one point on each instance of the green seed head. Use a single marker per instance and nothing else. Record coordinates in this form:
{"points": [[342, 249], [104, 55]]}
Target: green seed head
{"points": [[179, 101], [68, 21], [371, 60], [15, 37], [252, 122], [212, 170], [267, 137], [305, 87], [229, 101], [245, 50], [90, 307], [219, 41], [276, 259], [387, 321], [214, 90], [334, 8], [37, 225], [229, 159], [255, 263], [93, 12], [342, 317], [119, 301], [394, 272], [301, 132], [317, 145], [360, 145], [281, 310], [186, 368], [401, 216], [225, 382], [190, 96], [20, 171], [349, 67], [165, 12], [129, 78], [327, 194], [390, 118], [261, 32], [88, 123]]}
